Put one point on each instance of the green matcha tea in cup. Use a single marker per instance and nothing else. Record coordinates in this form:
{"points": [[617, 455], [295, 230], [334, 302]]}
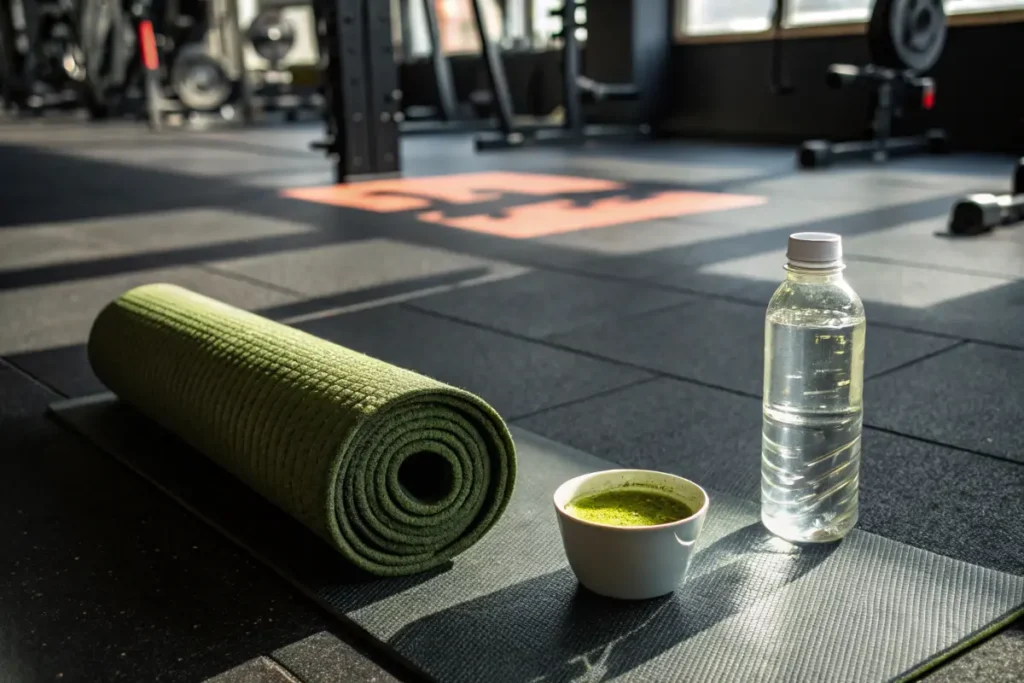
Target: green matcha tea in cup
{"points": [[630, 534]]}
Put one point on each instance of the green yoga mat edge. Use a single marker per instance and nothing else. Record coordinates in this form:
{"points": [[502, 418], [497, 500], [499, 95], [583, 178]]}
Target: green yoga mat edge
{"points": [[320, 430], [492, 516], [64, 412]]}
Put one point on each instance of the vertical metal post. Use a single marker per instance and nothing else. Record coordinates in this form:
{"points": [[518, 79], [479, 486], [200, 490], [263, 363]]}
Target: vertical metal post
{"points": [[30, 13], [238, 55], [383, 97], [405, 23], [883, 121], [495, 71], [571, 70], [344, 81], [442, 67], [528, 22], [360, 84], [9, 77]]}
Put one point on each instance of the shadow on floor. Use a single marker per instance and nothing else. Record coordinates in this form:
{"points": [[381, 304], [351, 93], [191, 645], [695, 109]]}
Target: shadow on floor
{"points": [[597, 638]]}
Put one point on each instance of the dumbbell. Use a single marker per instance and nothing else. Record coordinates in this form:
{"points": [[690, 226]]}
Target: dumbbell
{"points": [[979, 213]]}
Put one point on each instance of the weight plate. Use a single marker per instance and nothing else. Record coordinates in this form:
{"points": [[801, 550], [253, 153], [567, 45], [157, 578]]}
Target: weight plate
{"points": [[199, 80], [907, 34], [272, 35]]}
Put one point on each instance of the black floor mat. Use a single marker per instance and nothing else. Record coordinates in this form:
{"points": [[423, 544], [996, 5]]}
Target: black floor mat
{"points": [[753, 607], [951, 502]]}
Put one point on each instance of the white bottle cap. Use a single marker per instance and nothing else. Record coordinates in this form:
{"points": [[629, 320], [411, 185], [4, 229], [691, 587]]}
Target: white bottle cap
{"points": [[815, 250]]}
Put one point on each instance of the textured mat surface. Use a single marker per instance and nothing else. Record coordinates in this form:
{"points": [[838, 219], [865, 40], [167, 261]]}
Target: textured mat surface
{"points": [[397, 471], [752, 609]]}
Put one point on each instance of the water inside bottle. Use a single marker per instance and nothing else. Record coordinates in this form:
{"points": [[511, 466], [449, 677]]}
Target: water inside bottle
{"points": [[811, 440]]}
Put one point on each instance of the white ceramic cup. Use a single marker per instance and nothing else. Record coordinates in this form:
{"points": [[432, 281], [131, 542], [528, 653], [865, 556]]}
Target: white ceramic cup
{"points": [[630, 562]]}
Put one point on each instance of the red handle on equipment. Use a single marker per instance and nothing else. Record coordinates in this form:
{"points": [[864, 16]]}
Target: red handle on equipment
{"points": [[928, 96], [147, 43]]}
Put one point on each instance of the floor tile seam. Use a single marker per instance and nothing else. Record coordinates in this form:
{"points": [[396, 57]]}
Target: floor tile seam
{"points": [[660, 374], [525, 338], [920, 359], [942, 444], [633, 315], [654, 284], [583, 399], [9, 362], [248, 279], [286, 671], [732, 298], [870, 258], [548, 341]]}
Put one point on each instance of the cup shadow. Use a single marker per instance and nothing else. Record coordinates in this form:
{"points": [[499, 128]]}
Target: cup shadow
{"points": [[549, 628]]}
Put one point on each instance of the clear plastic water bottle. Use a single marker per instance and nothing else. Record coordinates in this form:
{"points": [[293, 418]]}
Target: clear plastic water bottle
{"points": [[813, 388]]}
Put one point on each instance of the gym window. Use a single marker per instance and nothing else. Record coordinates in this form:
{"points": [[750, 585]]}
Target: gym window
{"points": [[716, 17], [708, 17], [969, 6], [819, 12]]}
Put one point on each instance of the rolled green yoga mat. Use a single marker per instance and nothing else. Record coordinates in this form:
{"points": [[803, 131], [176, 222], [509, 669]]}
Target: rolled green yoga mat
{"points": [[397, 471]]}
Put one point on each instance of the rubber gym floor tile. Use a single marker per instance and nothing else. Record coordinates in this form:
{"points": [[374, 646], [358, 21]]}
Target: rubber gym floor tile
{"points": [[870, 186], [643, 240], [351, 266], [887, 284], [720, 263], [994, 314], [629, 168], [998, 254], [970, 397], [999, 659], [45, 254], [782, 211], [707, 435], [324, 658], [65, 369], [197, 159], [722, 343], [258, 670], [515, 376], [943, 500], [542, 303], [178, 229], [92, 550], [43, 317], [42, 245]]}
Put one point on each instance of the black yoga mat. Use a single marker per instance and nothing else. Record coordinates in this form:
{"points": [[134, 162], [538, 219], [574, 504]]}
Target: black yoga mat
{"points": [[754, 608]]}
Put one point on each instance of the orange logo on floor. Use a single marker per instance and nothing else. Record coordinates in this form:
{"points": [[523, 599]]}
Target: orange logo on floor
{"points": [[519, 205]]}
